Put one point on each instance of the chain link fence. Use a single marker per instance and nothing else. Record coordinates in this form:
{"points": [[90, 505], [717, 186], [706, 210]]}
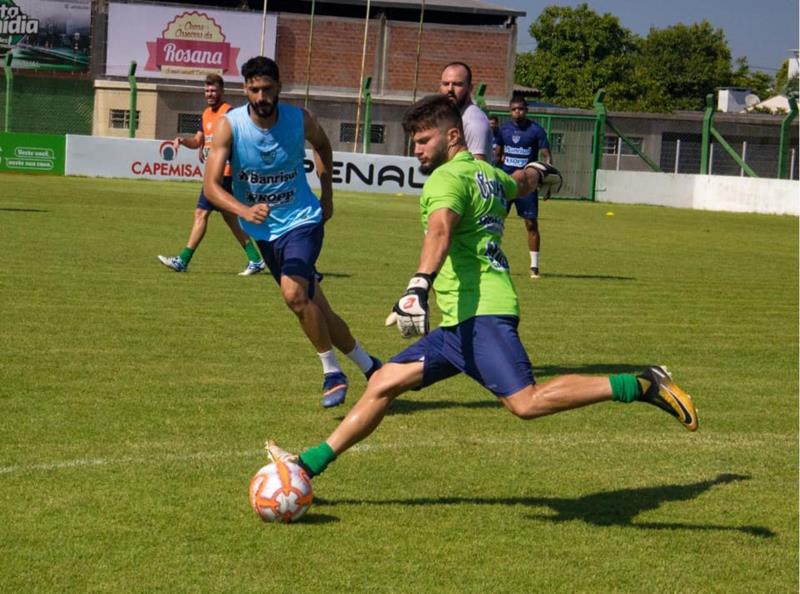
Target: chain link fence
{"points": [[47, 104]]}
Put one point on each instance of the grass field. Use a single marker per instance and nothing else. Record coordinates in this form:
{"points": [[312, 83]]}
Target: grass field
{"points": [[134, 403]]}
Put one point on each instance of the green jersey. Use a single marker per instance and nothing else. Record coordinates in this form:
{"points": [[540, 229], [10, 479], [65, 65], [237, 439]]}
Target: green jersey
{"points": [[474, 279]]}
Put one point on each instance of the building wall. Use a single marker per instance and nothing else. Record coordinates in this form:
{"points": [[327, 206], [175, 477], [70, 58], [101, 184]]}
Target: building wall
{"points": [[391, 55]]}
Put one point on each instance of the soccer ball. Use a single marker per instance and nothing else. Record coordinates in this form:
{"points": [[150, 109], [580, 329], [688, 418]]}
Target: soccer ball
{"points": [[281, 492]]}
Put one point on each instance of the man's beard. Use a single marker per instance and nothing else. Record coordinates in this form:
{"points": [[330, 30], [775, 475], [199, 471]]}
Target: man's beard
{"points": [[264, 110], [436, 160], [460, 104]]}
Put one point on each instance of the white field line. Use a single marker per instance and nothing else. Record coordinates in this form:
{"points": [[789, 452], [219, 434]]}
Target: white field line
{"points": [[562, 440]]}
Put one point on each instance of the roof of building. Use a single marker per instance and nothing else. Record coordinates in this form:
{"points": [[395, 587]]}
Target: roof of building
{"points": [[463, 6]]}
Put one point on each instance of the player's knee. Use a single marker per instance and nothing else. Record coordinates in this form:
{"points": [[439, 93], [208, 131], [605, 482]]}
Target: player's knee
{"points": [[525, 404], [296, 299]]}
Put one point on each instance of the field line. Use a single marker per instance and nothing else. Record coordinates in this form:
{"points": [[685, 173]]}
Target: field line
{"points": [[678, 439]]}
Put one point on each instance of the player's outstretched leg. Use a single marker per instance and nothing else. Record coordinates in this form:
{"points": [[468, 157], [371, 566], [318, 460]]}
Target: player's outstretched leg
{"points": [[392, 380], [654, 386], [659, 390]]}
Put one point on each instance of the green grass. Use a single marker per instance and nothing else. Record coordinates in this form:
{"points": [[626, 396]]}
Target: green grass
{"points": [[134, 403]]}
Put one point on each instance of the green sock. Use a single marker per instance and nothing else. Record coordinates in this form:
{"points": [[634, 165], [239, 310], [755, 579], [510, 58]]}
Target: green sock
{"points": [[316, 459], [186, 255], [624, 388], [252, 252]]}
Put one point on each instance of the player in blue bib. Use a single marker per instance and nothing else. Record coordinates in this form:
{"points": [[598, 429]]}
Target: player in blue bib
{"points": [[264, 141], [519, 142]]}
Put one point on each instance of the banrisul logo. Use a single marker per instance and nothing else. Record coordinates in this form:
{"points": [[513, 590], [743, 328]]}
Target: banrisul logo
{"points": [[15, 24]]}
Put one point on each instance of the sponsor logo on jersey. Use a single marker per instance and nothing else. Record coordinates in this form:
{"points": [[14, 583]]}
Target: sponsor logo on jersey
{"points": [[272, 199], [492, 224], [497, 259], [489, 188], [256, 178]]}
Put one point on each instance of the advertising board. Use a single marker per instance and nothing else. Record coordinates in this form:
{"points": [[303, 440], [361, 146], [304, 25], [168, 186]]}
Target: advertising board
{"points": [[184, 42]]}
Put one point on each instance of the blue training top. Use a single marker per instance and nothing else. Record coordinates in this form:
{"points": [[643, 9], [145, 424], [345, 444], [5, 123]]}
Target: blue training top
{"points": [[520, 144], [268, 167]]}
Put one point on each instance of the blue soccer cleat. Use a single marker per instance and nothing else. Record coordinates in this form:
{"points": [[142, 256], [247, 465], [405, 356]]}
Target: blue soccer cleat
{"points": [[334, 389], [174, 263], [253, 268], [376, 365]]}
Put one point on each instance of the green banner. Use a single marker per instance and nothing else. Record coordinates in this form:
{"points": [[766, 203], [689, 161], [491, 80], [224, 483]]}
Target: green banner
{"points": [[32, 153]]}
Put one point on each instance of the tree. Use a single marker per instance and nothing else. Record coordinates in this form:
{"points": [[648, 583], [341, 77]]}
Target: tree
{"points": [[758, 82], [688, 61], [578, 52]]}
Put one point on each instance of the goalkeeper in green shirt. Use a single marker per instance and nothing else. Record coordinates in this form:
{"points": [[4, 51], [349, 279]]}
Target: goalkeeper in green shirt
{"points": [[463, 206]]}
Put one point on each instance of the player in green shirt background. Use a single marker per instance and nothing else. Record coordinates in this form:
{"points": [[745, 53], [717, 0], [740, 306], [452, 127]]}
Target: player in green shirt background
{"points": [[463, 206]]}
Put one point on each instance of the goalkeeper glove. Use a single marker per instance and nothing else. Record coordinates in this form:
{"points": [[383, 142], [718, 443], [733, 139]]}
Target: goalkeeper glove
{"points": [[411, 313], [550, 179]]}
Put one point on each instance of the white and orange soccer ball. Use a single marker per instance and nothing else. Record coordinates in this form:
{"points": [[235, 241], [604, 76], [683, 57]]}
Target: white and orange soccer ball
{"points": [[281, 492]]}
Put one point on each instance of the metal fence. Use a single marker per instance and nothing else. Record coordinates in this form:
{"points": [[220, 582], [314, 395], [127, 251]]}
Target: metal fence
{"points": [[46, 104]]}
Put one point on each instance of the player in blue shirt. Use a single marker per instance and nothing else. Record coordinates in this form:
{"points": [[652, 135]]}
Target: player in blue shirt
{"points": [[519, 142], [265, 143]]}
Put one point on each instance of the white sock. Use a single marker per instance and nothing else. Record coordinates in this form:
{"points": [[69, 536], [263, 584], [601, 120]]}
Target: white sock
{"points": [[329, 362], [534, 259], [360, 357]]}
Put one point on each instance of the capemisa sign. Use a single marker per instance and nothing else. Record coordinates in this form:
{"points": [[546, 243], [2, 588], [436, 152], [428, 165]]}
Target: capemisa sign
{"points": [[138, 159], [170, 42], [94, 156]]}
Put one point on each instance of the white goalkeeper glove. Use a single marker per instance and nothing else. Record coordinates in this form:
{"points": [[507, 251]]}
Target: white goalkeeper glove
{"points": [[411, 313], [550, 179]]}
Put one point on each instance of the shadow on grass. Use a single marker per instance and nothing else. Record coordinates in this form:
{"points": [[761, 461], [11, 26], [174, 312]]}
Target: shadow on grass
{"points": [[590, 369], [601, 277], [23, 210], [610, 508], [312, 518], [407, 407]]}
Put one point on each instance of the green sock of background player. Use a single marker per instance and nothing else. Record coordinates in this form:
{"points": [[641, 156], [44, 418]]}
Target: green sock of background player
{"points": [[249, 248], [624, 388]]}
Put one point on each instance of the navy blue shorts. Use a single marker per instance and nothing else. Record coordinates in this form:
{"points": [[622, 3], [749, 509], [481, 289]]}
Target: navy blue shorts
{"points": [[528, 206], [204, 203], [486, 348], [295, 253]]}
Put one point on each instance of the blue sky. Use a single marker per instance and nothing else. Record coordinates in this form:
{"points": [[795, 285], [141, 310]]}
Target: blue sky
{"points": [[763, 31]]}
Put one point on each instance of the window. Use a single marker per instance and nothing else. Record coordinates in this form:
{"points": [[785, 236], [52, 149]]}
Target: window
{"points": [[118, 118], [189, 123], [347, 133], [613, 144]]}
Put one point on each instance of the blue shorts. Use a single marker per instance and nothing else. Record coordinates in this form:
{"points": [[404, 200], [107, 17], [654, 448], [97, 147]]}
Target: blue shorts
{"points": [[204, 203], [486, 348], [295, 253], [528, 206]]}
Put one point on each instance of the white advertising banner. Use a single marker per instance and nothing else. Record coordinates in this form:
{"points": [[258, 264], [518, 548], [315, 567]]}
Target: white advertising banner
{"points": [[184, 42], [124, 157], [94, 156]]}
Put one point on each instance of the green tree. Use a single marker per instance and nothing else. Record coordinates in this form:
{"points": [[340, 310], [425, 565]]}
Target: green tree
{"points": [[578, 52], [783, 84], [758, 82], [688, 62]]}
